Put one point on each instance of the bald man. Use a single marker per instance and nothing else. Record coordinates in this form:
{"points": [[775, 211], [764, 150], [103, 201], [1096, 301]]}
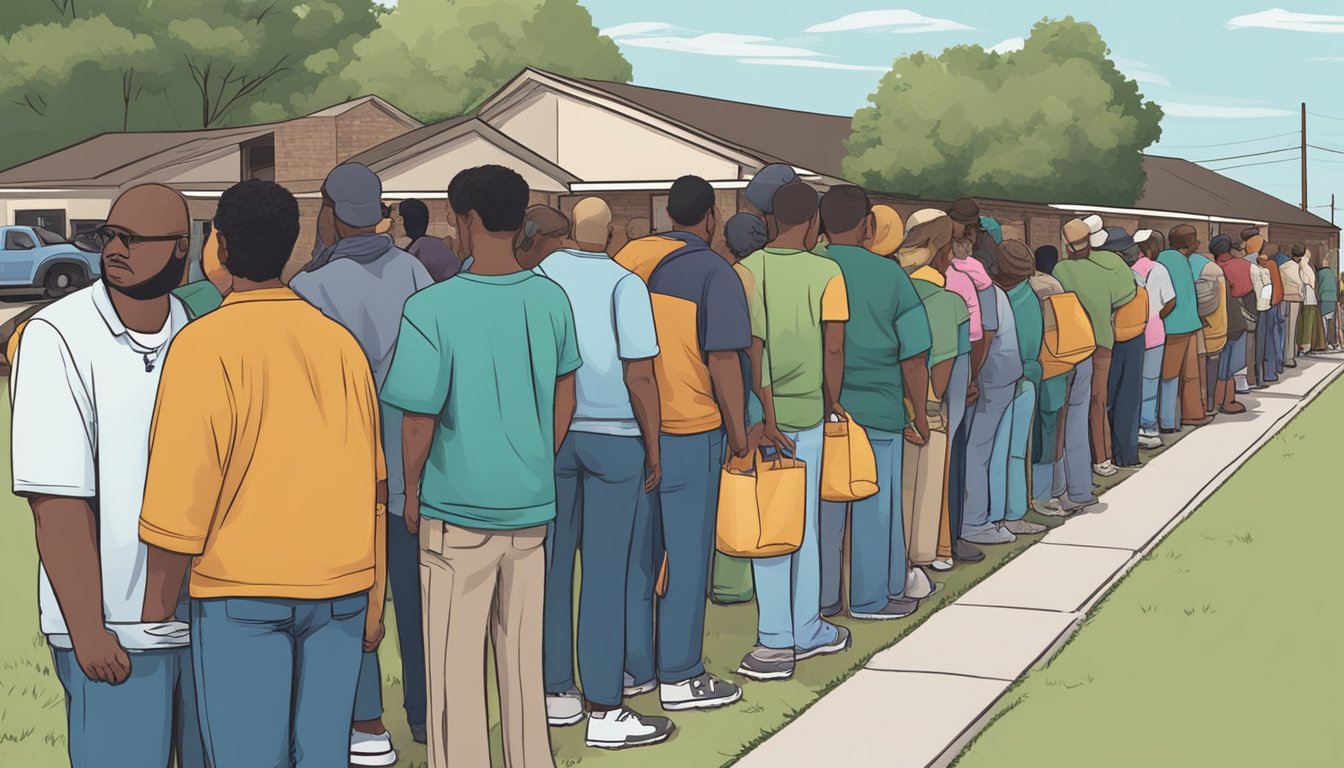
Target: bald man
{"points": [[610, 456], [80, 455]]}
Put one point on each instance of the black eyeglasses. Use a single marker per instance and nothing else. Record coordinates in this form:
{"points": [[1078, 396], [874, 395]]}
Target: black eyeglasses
{"points": [[105, 234]]}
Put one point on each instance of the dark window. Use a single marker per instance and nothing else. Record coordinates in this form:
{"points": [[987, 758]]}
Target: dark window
{"points": [[259, 159], [48, 237], [18, 241], [50, 218]]}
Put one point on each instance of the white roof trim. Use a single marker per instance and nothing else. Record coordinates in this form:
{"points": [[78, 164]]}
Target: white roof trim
{"points": [[643, 186], [1162, 214]]}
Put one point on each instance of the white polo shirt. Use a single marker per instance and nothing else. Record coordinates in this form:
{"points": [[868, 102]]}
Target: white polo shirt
{"points": [[83, 402]]}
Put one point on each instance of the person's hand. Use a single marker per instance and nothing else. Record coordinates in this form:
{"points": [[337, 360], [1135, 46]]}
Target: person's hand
{"points": [[781, 442], [373, 635], [918, 433], [754, 437], [411, 514], [101, 657], [972, 394], [653, 471]]}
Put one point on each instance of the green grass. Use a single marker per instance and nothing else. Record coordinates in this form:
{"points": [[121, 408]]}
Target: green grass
{"points": [[32, 714], [1221, 648]]}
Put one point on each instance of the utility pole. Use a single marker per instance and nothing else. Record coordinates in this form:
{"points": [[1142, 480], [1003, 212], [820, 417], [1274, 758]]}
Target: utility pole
{"points": [[1304, 155], [1332, 207]]}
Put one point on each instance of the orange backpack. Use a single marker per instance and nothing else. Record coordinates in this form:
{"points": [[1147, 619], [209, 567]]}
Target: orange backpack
{"points": [[1068, 339], [1132, 318]]}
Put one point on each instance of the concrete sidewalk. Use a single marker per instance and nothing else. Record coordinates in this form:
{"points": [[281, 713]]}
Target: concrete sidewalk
{"points": [[920, 702]]}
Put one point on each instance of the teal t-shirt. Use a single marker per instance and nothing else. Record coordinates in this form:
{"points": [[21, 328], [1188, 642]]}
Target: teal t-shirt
{"points": [[483, 352], [1327, 285], [887, 324], [1185, 317], [201, 297], [1030, 329]]}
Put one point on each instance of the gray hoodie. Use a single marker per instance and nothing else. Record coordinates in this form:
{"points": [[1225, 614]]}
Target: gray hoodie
{"points": [[363, 283]]}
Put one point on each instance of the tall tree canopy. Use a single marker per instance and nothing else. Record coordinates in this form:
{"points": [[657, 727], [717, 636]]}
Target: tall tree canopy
{"points": [[75, 68], [1055, 121]]}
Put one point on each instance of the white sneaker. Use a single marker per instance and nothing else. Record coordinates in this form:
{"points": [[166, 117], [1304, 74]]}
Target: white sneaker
{"points": [[1049, 508], [1105, 469], [918, 585], [1150, 442], [371, 749], [945, 564], [703, 692], [631, 690], [564, 708], [624, 727]]}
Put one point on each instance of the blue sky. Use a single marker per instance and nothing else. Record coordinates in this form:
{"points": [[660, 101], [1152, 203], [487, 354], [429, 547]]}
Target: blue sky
{"points": [[1228, 71]]}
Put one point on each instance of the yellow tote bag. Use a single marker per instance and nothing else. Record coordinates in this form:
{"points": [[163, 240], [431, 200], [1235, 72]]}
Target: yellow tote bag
{"points": [[761, 507], [848, 466]]}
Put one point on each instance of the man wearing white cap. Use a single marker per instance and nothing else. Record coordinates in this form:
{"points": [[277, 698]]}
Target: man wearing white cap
{"points": [[1161, 302]]}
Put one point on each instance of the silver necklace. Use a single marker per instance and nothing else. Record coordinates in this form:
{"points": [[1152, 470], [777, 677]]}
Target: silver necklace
{"points": [[148, 355]]}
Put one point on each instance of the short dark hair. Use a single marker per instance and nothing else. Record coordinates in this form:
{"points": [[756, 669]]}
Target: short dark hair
{"points": [[795, 203], [1299, 250], [259, 221], [690, 200], [844, 207], [497, 194], [1182, 236], [414, 217]]}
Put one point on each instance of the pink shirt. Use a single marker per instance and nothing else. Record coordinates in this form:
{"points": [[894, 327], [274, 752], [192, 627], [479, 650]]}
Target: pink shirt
{"points": [[967, 278], [1157, 282]]}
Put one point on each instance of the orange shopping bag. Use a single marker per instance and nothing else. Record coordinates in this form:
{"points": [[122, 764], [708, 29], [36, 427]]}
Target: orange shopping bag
{"points": [[848, 466], [761, 506]]}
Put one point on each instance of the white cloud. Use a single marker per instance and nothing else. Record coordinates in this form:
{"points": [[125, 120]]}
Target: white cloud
{"points": [[1151, 78], [814, 64], [636, 28], [1277, 18], [1010, 45], [896, 21], [1139, 71], [720, 44], [1176, 109], [1329, 59]]}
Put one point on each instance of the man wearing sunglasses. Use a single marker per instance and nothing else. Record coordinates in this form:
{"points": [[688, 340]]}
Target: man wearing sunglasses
{"points": [[80, 455]]}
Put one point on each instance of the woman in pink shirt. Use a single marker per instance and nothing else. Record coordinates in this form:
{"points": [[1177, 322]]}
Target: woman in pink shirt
{"points": [[1161, 301]]}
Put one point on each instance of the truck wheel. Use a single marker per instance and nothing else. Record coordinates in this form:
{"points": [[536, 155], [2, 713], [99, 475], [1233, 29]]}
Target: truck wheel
{"points": [[62, 280]]}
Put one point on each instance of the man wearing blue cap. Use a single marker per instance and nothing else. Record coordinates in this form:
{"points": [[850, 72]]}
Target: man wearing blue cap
{"points": [[361, 279], [1125, 389]]}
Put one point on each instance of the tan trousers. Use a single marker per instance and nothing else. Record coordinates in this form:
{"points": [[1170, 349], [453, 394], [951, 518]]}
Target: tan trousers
{"points": [[923, 492], [1290, 332], [474, 584], [1098, 420], [1181, 358]]}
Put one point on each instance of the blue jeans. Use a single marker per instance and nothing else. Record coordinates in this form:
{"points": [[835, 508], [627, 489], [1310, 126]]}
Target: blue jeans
{"points": [[788, 587], [878, 566], [275, 679], [676, 519], [1008, 466], [1152, 376], [141, 721], [1077, 461], [991, 410], [1124, 399], [598, 482], [403, 581], [1232, 358], [958, 423]]}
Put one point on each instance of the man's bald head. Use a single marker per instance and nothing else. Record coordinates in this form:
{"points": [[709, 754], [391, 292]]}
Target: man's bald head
{"points": [[145, 241], [151, 209]]}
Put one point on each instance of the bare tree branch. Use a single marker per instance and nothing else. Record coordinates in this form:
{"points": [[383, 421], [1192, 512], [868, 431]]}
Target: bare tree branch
{"points": [[249, 86]]}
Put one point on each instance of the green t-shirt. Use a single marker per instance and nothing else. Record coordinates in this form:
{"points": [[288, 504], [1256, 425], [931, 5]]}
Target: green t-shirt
{"points": [[948, 318], [1030, 329], [1327, 287], [802, 291], [1103, 282], [201, 297], [483, 353], [887, 324]]}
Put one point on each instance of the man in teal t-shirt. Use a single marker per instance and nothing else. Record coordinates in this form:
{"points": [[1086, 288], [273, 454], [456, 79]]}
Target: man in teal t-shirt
{"points": [[484, 371], [887, 332], [1178, 400]]}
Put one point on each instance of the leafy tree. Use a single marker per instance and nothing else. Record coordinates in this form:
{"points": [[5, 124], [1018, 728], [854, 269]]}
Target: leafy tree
{"points": [[1055, 121], [438, 59]]}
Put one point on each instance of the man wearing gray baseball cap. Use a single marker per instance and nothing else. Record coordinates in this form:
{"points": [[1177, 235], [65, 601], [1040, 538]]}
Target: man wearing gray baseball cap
{"points": [[361, 279], [760, 192]]}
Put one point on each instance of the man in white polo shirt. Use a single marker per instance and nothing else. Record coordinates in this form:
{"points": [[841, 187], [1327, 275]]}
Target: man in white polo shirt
{"points": [[79, 456]]}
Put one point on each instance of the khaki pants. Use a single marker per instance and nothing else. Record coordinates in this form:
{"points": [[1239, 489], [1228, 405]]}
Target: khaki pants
{"points": [[1290, 334], [922, 503], [1098, 420], [475, 583], [1181, 359]]}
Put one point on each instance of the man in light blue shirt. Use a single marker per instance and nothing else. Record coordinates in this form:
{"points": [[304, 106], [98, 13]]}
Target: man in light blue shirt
{"points": [[607, 461]]}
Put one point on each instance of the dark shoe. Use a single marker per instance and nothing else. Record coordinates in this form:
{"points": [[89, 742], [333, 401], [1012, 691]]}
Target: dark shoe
{"points": [[1197, 422], [832, 610], [1290, 365], [839, 645], [419, 734], [966, 552], [1166, 431], [768, 664], [1233, 409], [895, 609]]}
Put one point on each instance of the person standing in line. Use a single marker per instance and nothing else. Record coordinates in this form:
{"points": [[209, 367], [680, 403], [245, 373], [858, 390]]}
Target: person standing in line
{"points": [[798, 310], [888, 330], [79, 457], [1103, 284], [1259, 302], [700, 311], [484, 373], [1271, 348], [1009, 494], [1293, 295], [267, 405], [760, 192], [205, 295], [1048, 474], [1180, 401], [1238, 275], [1156, 280], [1124, 392], [609, 458], [437, 257], [1327, 290], [363, 284], [1211, 293], [545, 230]]}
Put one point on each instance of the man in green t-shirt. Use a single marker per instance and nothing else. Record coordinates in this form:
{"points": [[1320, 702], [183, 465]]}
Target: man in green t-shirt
{"points": [[798, 311], [484, 373], [888, 331]]}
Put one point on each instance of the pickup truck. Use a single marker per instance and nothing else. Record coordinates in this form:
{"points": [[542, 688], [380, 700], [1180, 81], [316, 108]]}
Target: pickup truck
{"points": [[37, 261]]}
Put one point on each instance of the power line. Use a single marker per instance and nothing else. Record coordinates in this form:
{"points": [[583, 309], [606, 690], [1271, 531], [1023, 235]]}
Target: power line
{"points": [[1327, 117], [1229, 143], [1248, 165], [1253, 154], [1326, 149]]}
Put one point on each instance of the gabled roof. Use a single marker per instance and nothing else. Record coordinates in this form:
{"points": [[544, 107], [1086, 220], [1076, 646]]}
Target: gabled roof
{"points": [[1175, 184], [340, 109]]}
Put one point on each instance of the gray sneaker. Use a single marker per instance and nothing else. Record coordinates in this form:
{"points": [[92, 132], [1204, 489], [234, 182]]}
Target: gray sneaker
{"points": [[991, 535], [631, 689], [839, 645], [1024, 528], [1070, 506], [1051, 508], [767, 664], [894, 609], [703, 692]]}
